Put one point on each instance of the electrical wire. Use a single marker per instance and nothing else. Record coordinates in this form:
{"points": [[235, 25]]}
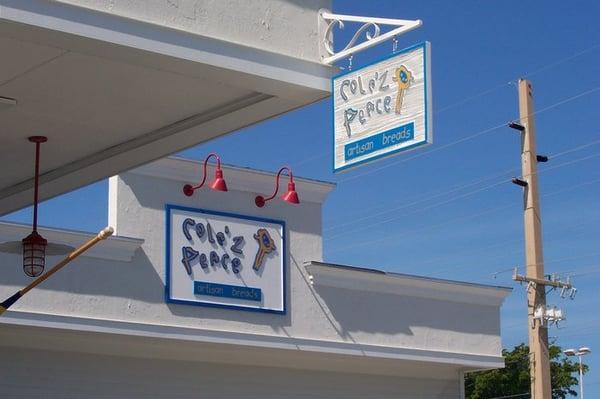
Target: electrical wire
{"points": [[563, 60], [469, 193], [577, 148], [560, 260], [475, 96], [424, 199], [560, 191], [529, 74], [504, 270]]}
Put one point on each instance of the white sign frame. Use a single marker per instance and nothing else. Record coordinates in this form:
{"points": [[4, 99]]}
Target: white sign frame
{"points": [[416, 124], [272, 291]]}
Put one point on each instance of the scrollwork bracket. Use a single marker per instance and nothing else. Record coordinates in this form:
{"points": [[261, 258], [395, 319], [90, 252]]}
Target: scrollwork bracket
{"points": [[369, 26]]}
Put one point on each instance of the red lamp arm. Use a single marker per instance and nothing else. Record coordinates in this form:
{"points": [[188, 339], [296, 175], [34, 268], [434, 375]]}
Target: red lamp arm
{"points": [[277, 181], [35, 187], [212, 154]]}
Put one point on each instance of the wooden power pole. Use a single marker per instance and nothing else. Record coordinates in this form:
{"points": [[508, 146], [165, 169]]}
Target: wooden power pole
{"points": [[536, 295]]}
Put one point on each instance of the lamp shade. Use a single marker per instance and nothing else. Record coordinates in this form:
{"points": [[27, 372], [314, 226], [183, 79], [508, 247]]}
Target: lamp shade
{"points": [[219, 183], [291, 196]]}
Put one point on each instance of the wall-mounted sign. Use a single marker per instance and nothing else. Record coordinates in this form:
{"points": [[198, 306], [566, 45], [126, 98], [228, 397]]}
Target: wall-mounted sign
{"points": [[222, 259], [382, 108]]}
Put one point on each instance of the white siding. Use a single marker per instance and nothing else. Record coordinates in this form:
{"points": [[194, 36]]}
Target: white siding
{"points": [[45, 374]]}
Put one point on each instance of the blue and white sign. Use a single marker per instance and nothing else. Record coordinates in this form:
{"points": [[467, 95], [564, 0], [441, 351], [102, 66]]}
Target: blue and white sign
{"points": [[382, 108], [226, 260]]}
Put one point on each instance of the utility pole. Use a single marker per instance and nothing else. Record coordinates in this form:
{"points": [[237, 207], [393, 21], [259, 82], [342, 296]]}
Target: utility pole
{"points": [[539, 314], [536, 296]]}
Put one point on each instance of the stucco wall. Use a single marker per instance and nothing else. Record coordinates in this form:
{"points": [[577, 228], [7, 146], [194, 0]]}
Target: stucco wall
{"points": [[283, 26], [45, 374], [134, 292]]}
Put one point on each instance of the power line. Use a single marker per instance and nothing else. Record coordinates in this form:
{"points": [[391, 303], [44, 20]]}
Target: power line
{"points": [[565, 259], [577, 148], [508, 84], [503, 270], [459, 187], [562, 190], [425, 199], [475, 96], [562, 61], [469, 193], [567, 163], [496, 209], [545, 195]]}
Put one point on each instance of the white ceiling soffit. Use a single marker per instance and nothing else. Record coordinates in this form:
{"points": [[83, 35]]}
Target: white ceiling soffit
{"points": [[113, 93]]}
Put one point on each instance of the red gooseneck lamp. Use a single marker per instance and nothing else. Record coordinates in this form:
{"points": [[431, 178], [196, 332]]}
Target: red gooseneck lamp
{"points": [[34, 245], [217, 184], [290, 196]]}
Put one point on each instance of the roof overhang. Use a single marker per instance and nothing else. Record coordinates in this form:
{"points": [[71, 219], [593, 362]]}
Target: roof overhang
{"points": [[60, 333], [113, 93], [358, 278]]}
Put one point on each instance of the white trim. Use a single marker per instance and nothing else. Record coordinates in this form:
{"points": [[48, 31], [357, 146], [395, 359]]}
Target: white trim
{"points": [[89, 23], [238, 178], [398, 284], [372, 39], [114, 248], [467, 360]]}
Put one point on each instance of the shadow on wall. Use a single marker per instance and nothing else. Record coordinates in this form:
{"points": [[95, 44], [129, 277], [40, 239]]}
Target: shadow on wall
{"points": [[384, 313], [89, 276], [136, 281]]}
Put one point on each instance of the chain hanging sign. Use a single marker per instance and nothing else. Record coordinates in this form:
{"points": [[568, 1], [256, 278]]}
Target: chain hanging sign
{"points": [[382, 108], [225, 260]]}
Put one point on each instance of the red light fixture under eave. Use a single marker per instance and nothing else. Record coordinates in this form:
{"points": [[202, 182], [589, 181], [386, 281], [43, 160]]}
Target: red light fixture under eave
{"points": [[34, 245], [291, 196], [217, 184]]}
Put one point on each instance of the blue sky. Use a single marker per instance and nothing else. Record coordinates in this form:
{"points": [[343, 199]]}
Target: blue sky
{"points": [[444, 210]]}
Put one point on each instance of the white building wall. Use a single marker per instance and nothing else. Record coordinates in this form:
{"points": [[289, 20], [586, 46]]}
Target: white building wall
{"points": [[281, 26], [326, 313], [48, 375], [101, 328], [134, 292]]}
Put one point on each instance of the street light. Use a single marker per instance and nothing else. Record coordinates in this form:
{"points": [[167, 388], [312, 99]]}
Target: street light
{"points": [[584, 350]]}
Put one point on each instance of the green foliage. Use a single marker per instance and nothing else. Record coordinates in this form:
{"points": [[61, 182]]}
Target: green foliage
{"points": [[514, 378]]}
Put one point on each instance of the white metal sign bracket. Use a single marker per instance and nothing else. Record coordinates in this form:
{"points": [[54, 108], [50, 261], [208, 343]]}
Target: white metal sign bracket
{"points": [[327, 21]]}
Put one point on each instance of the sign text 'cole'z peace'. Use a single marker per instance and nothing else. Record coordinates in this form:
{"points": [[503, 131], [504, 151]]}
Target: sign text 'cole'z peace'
{"points": [[382, 108], [226, 260]]}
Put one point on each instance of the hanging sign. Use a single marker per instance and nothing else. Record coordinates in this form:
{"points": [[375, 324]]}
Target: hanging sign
{"points": [[225, 260], [382, 108]]}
